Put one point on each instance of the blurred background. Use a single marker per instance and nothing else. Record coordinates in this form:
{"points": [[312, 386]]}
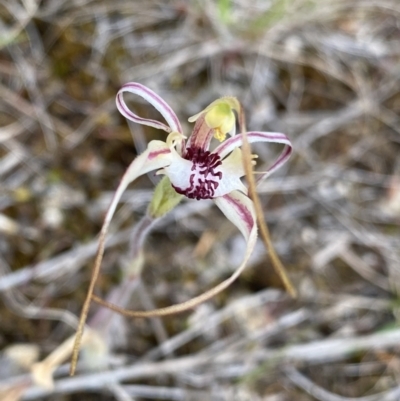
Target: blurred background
{"points": [[324, 72]]}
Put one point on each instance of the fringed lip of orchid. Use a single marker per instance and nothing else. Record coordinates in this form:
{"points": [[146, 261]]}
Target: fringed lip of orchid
{"points": [[195, 172]]}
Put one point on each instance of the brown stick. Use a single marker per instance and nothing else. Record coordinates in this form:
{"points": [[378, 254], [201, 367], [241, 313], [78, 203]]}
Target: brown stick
{"points": [[264, 231]]}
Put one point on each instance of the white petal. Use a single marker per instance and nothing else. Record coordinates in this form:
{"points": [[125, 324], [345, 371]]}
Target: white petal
{"points": [[157, 155], [232, 170], [179, 171]]}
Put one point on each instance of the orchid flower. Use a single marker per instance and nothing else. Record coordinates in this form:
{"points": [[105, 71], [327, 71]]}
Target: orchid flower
{"points": [[195, 172]]}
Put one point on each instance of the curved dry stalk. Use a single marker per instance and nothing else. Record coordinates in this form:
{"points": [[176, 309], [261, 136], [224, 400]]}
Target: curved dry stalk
{"points": [[86, 305], [264, 231], [184, 306], [193, 302]]}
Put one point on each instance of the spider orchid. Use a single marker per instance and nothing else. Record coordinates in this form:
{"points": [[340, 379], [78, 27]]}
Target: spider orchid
{"points": [[192, 170], [196, 172]]}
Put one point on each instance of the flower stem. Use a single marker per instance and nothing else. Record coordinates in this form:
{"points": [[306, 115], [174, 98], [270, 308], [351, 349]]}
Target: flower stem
{"points": [[264, 231]]}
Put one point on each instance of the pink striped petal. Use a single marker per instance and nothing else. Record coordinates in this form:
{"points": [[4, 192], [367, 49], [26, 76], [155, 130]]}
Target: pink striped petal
{"points": [[201, 135], [254, 136], [156, 156], [239, 209], [154, 100]]}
